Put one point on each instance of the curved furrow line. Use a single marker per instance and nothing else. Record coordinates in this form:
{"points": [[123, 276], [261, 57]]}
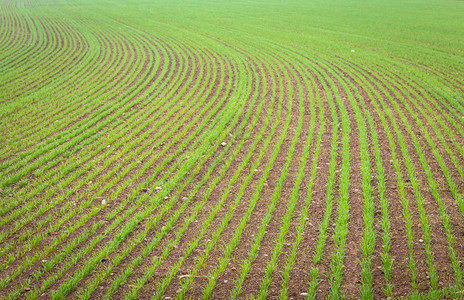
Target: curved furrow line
{"points": [[430, 167], [132, 247], [100, 119], [219, 234], [54, 108], [48, 45], [83, 67], [92, 108], [223, 286], [24, 74], [143, 214], [108, 64], [14, 32], [366, 155], [279, 212], [422, 104], [226, 150], [432, 185], [335, 275], [33, 135], [48, 142], [195, 190], [446, 104], [289, 82], [397, 93], [429, 230], [106, 158], [368, 135], [125, 202], [155, 240], [334, 173], [310, 80], [28, 110], [68, 50], [350, 147], [432, 99], [20, 34], [300, 285], [372, 92], [326, 88], [24, 54], [125, 134], [150, 268], [442, 76], [408, 210], [7, 35], [343, 205], [101, 84], [427, 126]]}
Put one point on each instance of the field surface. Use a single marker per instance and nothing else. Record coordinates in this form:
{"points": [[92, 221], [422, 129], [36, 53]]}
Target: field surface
{"points": [[231, 149]]}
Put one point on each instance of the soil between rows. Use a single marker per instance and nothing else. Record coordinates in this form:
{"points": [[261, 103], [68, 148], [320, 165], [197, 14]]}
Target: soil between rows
{"points": [[391, 93]]}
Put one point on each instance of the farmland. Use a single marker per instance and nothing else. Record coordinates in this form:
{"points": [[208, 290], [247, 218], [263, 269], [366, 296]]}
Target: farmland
{"points": [[231, 149]]}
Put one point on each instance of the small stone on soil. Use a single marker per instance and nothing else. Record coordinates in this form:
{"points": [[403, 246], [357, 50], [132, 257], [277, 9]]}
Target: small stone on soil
{"points": [[304, 294], [27, 289], [103, 201], [421, 240], [108, 146], [158, 188], [223, 144]]}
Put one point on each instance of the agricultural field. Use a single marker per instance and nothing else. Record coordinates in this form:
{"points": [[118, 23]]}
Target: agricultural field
{"points": [[241, 149]]}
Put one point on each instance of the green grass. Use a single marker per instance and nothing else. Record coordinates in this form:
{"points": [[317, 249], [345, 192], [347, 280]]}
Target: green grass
{"points": [[199, 149]]}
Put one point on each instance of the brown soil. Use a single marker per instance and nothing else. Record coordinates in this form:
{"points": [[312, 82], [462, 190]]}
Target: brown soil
{"points": [[135, 176]]}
